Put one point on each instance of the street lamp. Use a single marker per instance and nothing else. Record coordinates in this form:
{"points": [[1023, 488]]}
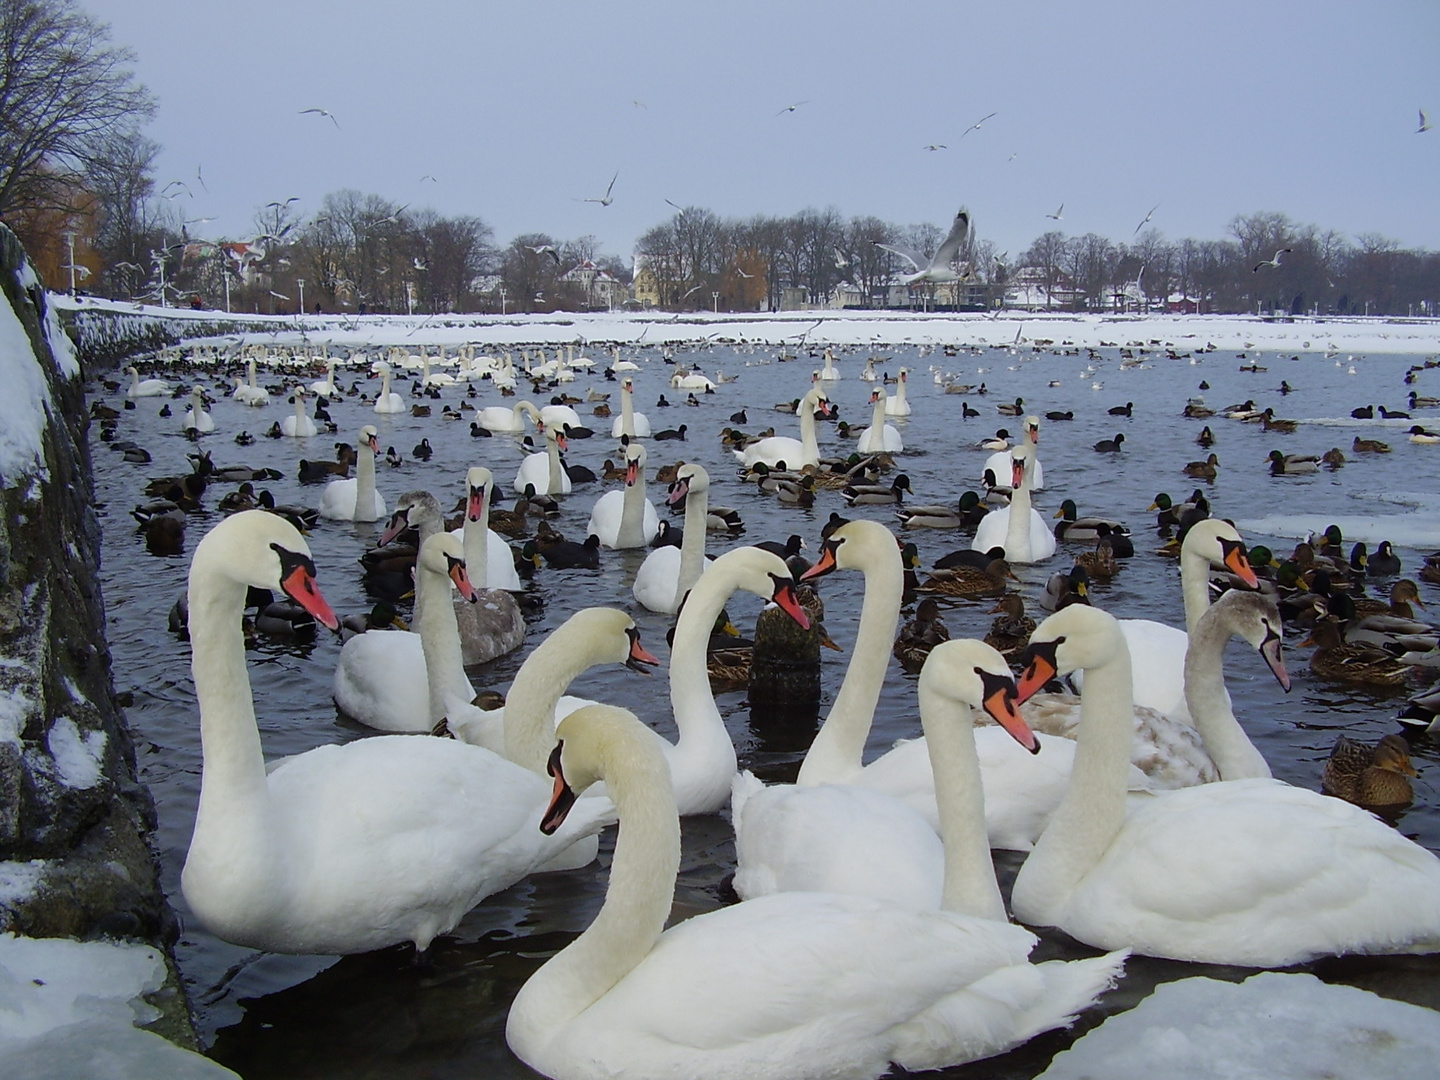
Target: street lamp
{"points": [[715, 302], [502, 300], [300, 283]]}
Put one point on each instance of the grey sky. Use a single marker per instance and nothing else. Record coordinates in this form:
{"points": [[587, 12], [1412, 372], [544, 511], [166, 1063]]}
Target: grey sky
{"points": [[520, 109]]}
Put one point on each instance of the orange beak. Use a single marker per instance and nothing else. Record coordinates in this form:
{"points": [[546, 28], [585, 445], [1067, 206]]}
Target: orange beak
{"points": [[299, 585], [823, 565], [476, 507], [561, 799], [1238, 564], [999, 702], [462, 579], [784, 595]]}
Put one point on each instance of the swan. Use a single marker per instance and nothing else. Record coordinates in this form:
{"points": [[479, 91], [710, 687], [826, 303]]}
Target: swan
{"points": [[879, 435], [898, 406], [196, 418], [830, 372], [388, 401], [629, 422], [344, 848], [668, 573], [493, 626], [560, 416], [356, 499], [1248, 872], [144, 387], [1006, 526], [1157, 651], [250, 392], [626, 519], [297, 425], [794, 453], [544, 472], [497, 418], [999, 462], [325, 387], [868, 375], [794, 985]]}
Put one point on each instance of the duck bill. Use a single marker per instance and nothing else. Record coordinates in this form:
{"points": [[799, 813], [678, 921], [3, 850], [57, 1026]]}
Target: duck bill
{"points": [[823, 565], [298, 583], [999, 702], [475, 508], [462, 579], [561, 799], [789, 603], [639, 655], [679, 491], [1270, 649]]}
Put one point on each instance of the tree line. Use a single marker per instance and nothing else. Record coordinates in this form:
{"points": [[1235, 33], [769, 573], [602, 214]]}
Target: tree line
{"points": [[78, 185]]}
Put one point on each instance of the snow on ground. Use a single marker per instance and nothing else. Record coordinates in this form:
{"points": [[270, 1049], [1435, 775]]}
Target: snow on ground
{"points": [[25, 403], [68, 1009]]}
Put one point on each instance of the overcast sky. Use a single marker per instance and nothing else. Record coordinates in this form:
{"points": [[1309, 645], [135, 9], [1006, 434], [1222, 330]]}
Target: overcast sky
{"points": [[519, 110]]}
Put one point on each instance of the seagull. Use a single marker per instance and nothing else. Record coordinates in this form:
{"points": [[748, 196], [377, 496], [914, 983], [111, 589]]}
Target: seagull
{"points": [[278, 296], [282, 205], [199, 176], [638, 103], [936, 146], [1270, 262], [697, 288], [83, 271], [420, 264], [546, 249], [427, 176], [1011, 158], [1147, 219], [1424, 123], [393, 219], [196, 221], [1057, 213], [175, 183], [841, 262], [323, 112], [937, 268], [976, 125], [792, 108], [607, 198], [742, 273]]}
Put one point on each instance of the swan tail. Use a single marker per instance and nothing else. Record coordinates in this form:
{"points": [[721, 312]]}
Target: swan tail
{"points": [[742, 785], [1070, 987]]}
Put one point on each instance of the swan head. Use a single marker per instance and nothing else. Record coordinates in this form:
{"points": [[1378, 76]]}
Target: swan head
{"points": [[415, 510], [478, 481], [370, 437], [444, 554], [975, 674], [634, 463], [261, 549], [554, 434], [1255, 618], [690, 477], [608, 635], [763, 573], [854, 546], [1075, 638], [601, 742], [1218, 542], [1032, 429]]}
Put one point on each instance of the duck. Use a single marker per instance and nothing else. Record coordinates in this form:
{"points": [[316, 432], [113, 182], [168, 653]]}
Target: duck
{"points": [[629, 422], [297, 425], [970, 581], [1011, 628], [1203, 470], [1268, 422], [1064, 589], [877, 494], [880, 436], [344, 848], [1206, 438], [1249, 872], [380, 617], [1369, 446], [1087, 529], [782, 966], [1099, 564], [1333, 458], [668, 573], [626, 519], [965, 515], [1423, 436], [1338, 660], [356, 499], [544, 471], [1000, 442], [918, 636], [1018, 528], [1017, 409], [1110, 446], [388, 401], [779, 450], [1373, 777], [1384, 562], [1282, 464]]}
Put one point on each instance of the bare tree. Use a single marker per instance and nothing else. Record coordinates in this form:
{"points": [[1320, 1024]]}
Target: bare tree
{"points": [[64, 93]]}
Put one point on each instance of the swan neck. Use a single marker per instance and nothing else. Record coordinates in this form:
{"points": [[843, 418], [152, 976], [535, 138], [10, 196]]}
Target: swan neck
{"points": [[1017, 530], [809, 448], [632, 514], [627, 412], [692, 545], [476, 538], [970, 887], [877, 415], [1234, 755], [1195, 586], [539, 684], [365, 483], [697, 718], [839, 746], [439, 640], [552, 450]]}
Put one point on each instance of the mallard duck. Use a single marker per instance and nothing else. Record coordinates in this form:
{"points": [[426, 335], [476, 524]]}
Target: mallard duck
{"points": [[1369, 446], [381, 617], [1099, 563], [1333, 458], [1010, 631], [867, 494], [242, 498], [799, 492], [1064, 589], [970, 581], [1203, 470], [1086, 529], [1206, 438], [1375, 777], [789, 551], [933, 516], [1282, 464], [1269, 423], [1402, 594], [1337, 660], [920, 635], [1016, 409], [513, 523], [969, 557]]}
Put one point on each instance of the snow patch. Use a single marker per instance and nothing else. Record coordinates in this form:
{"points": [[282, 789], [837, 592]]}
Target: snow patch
{"points": [[25, 406], [77, 753], [15, 708], [20, 880]]}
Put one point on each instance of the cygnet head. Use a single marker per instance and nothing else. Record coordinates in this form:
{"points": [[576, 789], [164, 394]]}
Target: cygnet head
{"points": [[1255, 618]]}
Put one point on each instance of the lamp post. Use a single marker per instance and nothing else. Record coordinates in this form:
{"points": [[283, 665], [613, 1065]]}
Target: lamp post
{"points": [[300, 283], [70, 241], [715, 302], [502, 300]]}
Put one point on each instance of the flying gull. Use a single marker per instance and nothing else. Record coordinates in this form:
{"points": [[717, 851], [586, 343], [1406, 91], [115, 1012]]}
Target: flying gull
{"points": [[938, 267]]}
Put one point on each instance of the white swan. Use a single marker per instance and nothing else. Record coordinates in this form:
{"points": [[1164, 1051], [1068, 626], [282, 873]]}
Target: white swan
{"points": [[1248, 872], [325, 387], [196, 418], [1006, 526], [144, 387], [998, 463], [388, 401], [869, 375], [668, 573], [250, 392], [297, 425], [794, 985], [545, 472], [879, 435], [497, 418], [1157, 651], [629, 422], [346, 848], [355, 499], [898, 405], [493, 625], [559, 416], [794, 453], [830, 373], [626, 519]]}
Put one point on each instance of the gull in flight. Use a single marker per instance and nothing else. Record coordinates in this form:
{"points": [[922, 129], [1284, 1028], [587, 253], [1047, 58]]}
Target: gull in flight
{"points": [[282, 205], [201, 177], [1424, 123], [427, 176], [792, 108], [936, 146], [1147, 219], [175, 184], [393, 219], [607, 198], [938, 267], [420, 264], [1057, 213], [697, 288], [323, 112], [1270, 262], [976, 125], [547, 249], [741, 273]]}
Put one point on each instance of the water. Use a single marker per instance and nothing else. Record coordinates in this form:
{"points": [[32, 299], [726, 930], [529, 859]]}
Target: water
{"points": [[378, 1015]]}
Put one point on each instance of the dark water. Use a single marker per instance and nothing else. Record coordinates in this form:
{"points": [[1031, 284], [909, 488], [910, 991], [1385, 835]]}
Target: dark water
{"points": [[378, 1015]]}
